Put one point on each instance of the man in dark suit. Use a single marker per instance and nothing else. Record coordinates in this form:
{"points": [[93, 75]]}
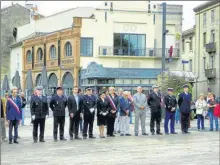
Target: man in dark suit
{"points": [[154, 102], [13, 114], [89, 106], [184, 103], [39, 112], [75, 108], [58, 105]]}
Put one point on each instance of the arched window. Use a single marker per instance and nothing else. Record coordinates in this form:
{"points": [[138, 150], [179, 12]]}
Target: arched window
{"points": [[39, 55], [68, 49], [29, 56], [53, 52]]}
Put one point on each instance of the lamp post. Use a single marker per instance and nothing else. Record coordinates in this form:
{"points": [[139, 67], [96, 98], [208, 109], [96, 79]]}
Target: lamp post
{"points": [[164, 32]]}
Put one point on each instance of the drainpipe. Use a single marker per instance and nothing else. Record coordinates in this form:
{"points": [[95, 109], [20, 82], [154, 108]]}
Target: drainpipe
{"points": [[198, 60]]}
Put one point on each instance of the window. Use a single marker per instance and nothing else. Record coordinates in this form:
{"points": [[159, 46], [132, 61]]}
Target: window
{"points": [[86, 47], [212, 16], [105, 16], [91, 81], [212, 36], [52, 52], [204, 39], [129, 44], [29, 56], [190, 65], [204, 63], [106, 3], [212, 62], [190, 44], [68, 49], [183, 45], [204, 19], [154, 18], [39, 55]]}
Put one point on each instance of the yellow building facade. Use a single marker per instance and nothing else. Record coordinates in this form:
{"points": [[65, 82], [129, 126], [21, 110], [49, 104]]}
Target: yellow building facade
{"points": [[59, 52]]}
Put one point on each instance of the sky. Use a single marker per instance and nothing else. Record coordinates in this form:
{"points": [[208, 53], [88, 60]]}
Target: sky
{"points": [[50, 7]]}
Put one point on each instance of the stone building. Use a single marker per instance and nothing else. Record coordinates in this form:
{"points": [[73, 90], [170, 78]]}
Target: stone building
{"points": [[207, 47], [11, 17]]}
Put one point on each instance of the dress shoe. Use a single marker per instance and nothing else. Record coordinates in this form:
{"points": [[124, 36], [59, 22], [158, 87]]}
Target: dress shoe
{"points": [[187, 132], [127, 134], [159, 133], [10, 142], [183, 132], [92, 137], [108, 135], [63, 139], [112, 135], [78, 138], [15, 141], [42, 140], [174, 133], [144, 134], [71, 138], [122, 135]]}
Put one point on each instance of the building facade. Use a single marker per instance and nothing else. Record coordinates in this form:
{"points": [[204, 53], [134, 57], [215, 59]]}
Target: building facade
{"points": [[188, 50], [207, 50], [11, 17], [118, 43]]}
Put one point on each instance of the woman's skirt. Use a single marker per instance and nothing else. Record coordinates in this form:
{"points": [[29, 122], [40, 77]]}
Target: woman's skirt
{"points": [[101, 120]]}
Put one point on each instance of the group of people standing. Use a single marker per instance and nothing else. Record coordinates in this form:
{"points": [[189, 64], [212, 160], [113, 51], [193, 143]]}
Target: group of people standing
{"points": [[112, 109]]}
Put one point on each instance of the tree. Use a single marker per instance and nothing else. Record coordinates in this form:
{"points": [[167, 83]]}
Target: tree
{"points": [[173, 82]]}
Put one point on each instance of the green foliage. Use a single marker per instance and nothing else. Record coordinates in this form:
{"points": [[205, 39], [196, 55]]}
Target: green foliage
{"points": [[173, 82]]}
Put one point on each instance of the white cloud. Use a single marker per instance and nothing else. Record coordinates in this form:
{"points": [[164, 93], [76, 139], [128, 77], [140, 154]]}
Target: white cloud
{"points": [[50, 7]]}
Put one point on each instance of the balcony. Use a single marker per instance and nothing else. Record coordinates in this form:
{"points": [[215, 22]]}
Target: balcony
{"points": [[146, 52], [210, 47], [210, 73]]}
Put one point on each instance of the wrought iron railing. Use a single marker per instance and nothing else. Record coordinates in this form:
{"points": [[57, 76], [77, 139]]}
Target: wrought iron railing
{"points": [[141, 52]]}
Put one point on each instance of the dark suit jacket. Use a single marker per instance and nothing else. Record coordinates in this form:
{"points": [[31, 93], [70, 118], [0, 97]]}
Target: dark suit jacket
{"points": [[184, 102], [72, 105], [103, 107], [11, 112], [154, 102]]}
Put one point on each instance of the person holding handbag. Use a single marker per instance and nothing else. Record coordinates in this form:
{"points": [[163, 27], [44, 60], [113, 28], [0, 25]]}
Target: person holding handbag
{"points": [[200, 111]]}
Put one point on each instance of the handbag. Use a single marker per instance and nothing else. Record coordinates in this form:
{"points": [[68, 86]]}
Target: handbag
{"points": [[217, 111]]}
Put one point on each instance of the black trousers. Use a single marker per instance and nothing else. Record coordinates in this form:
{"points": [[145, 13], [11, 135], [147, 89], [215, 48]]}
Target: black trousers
{"points": [[110, 125], [74, 126], [37, 122], [185, 122], [88, 122], [58, 121], [155, 116]]}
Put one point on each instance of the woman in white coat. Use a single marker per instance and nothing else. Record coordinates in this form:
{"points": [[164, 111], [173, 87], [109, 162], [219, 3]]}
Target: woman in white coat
{"points": [[201, 108]]}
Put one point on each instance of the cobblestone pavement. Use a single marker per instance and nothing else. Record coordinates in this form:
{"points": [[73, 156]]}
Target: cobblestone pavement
{"points": [[193, 149]]}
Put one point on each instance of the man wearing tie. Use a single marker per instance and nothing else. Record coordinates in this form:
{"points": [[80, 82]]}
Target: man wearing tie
{"points": [[75, 113], [184, 103], [58, 105], [13, 114], [39, 112]]}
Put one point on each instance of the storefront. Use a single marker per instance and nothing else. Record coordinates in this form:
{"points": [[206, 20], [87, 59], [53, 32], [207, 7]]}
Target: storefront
{"points": [[100, 78]]}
